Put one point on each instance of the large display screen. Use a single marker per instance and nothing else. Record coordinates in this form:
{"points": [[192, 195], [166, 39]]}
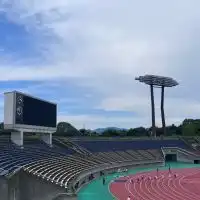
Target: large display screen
{"points": [[35, 112]]}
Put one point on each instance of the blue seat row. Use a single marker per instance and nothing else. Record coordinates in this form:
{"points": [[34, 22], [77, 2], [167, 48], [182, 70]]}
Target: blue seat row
{"points": [[13, 157], [113, 145]]}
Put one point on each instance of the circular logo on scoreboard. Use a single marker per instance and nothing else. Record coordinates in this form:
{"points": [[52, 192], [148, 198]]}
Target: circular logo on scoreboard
{"points": [[19, 110], [20, 99]]}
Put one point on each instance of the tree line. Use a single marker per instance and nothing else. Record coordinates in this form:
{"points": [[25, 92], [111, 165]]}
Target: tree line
{"points": [[133, 132], [189, 127]]}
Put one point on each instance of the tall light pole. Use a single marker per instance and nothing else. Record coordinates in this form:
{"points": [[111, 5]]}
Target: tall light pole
{"points": [[153, 111], [160, 82], [162, 109]]}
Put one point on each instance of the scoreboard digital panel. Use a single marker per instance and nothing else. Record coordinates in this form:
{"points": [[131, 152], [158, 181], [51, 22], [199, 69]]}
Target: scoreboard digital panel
{"points": [[35, 112]]}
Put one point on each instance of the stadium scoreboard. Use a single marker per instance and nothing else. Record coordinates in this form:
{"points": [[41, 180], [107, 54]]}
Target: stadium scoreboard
{"points": [[28, 112]]}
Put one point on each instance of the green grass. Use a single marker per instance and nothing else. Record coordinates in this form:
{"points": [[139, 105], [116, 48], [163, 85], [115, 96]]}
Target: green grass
{"points": [[96, 190]]}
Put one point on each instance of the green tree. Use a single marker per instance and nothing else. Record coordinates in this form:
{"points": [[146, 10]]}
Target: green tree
{"points": [[122, 133], [1, 126], [138, 132], [171, 130], [131, 132], [191, 127], [83, 131], [110, 133], [66, 129], [179, 130]]}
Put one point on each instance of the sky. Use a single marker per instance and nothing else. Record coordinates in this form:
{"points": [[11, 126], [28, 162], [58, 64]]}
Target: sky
{"points": [[85, 54]]}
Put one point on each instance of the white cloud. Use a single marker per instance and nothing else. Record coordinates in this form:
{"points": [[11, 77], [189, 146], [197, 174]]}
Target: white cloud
{"points": [[37, 73], [107, 43], [176, 109], [94, 121]]}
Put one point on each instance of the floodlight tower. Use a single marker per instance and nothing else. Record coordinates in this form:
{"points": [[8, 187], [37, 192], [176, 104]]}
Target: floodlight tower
{"points": [[159, 82]]}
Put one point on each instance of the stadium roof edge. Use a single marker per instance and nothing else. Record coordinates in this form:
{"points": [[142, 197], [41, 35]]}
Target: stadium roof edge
{"points": [[8, 131], [31, 96]]}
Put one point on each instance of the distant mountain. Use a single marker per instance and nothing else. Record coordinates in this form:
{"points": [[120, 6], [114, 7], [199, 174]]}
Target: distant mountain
{"points": [[101, 130]]}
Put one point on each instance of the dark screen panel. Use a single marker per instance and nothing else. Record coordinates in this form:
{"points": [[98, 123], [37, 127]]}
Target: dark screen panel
{"points": [[31, 111]]}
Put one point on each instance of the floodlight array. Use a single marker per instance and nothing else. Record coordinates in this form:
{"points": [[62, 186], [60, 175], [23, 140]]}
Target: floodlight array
{"points": [[160, 81]]}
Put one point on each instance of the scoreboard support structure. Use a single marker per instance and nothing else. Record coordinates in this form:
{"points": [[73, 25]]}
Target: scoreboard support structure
{"points": [[17, 137], [15, 119], [47, 138]]}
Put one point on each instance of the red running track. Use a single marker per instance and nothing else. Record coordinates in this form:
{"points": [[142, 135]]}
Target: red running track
{"points": [[186, 186]]}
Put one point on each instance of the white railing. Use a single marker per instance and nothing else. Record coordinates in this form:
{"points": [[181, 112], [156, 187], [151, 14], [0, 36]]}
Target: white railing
{"points": [[180, 150], [84, 174], [188, 152], [163, 152]]}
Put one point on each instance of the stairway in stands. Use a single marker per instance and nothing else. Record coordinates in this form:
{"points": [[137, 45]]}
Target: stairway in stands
{"points": [[69, 144], [191, 142]]}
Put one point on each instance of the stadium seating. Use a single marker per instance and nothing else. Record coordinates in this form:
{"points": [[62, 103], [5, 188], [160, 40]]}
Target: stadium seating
{"points": [[59, 170], [113, 145], [64, 142], [61, 164], [63, 170], [192, 142], [13, 157]]}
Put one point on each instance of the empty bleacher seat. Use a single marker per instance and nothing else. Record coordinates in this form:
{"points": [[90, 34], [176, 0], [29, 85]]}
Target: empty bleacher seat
{"points": [[113, 145]]}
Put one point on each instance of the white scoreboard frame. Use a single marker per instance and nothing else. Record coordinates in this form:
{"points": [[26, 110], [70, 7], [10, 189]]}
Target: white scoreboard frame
{"points": [[10, 116]]}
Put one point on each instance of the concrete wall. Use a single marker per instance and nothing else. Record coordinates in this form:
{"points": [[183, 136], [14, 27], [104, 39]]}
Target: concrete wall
{"points": [[3, 188], [182, 154], [170, 150], [181, 157], [9, 188], [23, 186], [85, 179], [64, 197], [13, 187], [34, 188]]}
